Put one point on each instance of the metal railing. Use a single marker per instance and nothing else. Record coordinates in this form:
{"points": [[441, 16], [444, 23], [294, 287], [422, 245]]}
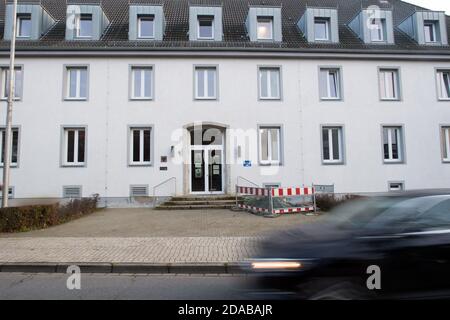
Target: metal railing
{"points": [[242, 178], [162, 184]]}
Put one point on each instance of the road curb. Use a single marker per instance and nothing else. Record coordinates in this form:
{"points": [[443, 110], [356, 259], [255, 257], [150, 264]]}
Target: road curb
{"points": [[129, 268]]}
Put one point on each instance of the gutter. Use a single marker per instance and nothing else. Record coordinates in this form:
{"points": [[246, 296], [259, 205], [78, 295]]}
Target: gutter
{"points": [[273, 53]]}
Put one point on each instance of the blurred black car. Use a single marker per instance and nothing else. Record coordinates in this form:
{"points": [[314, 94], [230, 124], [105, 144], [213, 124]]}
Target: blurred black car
{"points": [[406, 236]]}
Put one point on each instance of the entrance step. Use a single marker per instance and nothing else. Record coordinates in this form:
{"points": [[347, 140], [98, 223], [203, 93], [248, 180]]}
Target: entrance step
{"points": [[199, 203]]}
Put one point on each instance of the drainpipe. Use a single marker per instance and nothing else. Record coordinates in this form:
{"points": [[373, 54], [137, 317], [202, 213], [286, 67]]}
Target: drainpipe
{"points": [[11, 96]]}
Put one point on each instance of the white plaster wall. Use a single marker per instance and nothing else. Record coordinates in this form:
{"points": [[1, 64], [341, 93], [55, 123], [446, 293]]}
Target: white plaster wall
{"points": [[108, 113]]}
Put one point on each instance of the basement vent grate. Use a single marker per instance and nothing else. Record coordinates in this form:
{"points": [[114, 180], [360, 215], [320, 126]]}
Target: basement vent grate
{"points": [[139, 191], [72, 192]]}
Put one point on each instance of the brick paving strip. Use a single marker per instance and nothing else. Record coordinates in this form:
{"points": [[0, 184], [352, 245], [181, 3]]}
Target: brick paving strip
{"points": [[127, 255]]}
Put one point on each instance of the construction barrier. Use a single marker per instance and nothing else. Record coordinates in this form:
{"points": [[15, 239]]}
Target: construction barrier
{"points": [[277, 200]]}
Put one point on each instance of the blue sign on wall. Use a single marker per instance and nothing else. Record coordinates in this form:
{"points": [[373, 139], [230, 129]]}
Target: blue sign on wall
{"points": [[247, 163]]}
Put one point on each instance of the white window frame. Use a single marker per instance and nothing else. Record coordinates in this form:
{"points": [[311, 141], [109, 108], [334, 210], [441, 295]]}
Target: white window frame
{"points": [[443, 92], [141, 161], [269, 69], [330, 129], [21, 17], [322, 20], [78, 70], [433, 25], [337, 74], [205, 18], [400, 143], [383, 74], [2, 133], [79, 18], [143, 84], [264, 19], [197, 70], [269, 161], [17, 93], [75, 163], [145, 17], [445, 138], [379, 30]]}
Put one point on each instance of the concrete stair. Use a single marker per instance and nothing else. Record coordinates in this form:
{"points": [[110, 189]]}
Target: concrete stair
{"points": [[198, 203]]}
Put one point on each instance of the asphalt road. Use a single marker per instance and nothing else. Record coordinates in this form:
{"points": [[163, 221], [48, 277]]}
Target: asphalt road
{"points": [[114, 286]]}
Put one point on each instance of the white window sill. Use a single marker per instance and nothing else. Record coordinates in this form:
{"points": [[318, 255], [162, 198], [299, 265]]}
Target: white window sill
{"points": [[75, 99], [145, 38], [15, 165], [444, 99], [332, 162], [208, 98], [140, 164], [270, 163], [141, 99], [78, 165], [330, 99], [446, 160], [16, 99], [390, 99], [269, 99], [393, 161]]}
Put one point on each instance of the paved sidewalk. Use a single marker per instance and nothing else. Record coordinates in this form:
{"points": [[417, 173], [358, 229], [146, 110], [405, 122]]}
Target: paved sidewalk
{"points": [[127, 250]]}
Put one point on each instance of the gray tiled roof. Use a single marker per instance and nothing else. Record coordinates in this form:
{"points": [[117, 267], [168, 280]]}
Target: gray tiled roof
{"points": [[235, 35]]}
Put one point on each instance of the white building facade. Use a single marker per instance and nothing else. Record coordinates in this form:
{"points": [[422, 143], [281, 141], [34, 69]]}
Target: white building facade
{"points": [[130, 122]]}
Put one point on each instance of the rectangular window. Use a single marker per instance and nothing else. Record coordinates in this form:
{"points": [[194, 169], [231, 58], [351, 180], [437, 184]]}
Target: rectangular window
{"points": [[270, 145], [443, 84], [146, 26], [269, 83], [264, 28], [389, 84], [332, 143], [392, 144], [322, 29], [74, 146], [18, 83], [15, 146], [141, 83], [330, 86], [77, 83], [376, 28], [445, 138], [430, 31], [23, 26], [84, 26], [140, 146], [205, 27], [205, 83]]}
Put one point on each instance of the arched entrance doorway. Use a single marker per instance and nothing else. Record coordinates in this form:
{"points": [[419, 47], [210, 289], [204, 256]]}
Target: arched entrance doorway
{"points": [[206, 169]]}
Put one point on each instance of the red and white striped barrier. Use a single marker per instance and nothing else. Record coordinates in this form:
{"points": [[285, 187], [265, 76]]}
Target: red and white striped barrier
{"points": [[243, 206], [253, 191], [285, 192], [278, 193], [293, 210]]}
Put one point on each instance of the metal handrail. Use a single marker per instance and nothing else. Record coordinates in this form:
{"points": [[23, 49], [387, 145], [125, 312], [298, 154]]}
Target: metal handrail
{"points": [[240, 177], [160, 185]]}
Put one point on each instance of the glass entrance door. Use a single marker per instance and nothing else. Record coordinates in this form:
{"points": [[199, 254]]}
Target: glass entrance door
{"points": [[207, 169]]}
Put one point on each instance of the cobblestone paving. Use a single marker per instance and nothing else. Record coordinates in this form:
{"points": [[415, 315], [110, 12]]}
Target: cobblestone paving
{"points": [[128, 250]]}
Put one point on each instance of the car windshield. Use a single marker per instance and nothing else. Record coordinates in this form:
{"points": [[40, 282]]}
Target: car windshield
{"points": [[392, 212]]}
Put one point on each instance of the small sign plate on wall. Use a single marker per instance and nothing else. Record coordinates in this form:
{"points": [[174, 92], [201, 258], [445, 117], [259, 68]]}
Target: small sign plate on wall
{"points": [[247, 164]]}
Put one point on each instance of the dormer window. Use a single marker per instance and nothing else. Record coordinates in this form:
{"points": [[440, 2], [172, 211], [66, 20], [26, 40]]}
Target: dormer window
{"points": [[205, 27], [265, 28], [146, 26], [430, 31], [84, 26], [24, 25], [377, 28], [322, 29]]}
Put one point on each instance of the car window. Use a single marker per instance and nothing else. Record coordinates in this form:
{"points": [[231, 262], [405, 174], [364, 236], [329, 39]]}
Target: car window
{"points": [[408, 213], [437, 216]]}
